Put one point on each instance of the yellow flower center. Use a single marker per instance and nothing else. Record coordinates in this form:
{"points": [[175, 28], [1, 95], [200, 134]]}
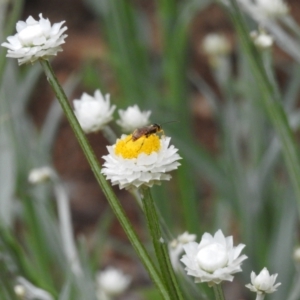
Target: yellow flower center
{"points": [[128, 148]]}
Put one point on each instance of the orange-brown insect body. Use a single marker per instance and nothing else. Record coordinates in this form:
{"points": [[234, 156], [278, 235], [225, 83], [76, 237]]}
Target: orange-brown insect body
{"points": [[146, 131]]}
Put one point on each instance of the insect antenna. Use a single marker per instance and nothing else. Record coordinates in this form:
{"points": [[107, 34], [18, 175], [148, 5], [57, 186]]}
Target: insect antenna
{"points": [[174, 121]]}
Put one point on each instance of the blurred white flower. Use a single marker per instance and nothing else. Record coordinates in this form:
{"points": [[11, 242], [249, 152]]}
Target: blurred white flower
{"points": [[93, 113], [35, 39], [111, 282], [186, 238], [272, 8], [296, 255], [261, 39], [39, 175], [215, 44], [145, 161], [26, 290], [176, 247], [133, 118], [217, 48], [214, 259], [263, 282], [20, 291]]}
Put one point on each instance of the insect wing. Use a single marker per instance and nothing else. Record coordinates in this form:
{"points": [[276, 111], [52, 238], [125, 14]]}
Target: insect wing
{"points": [[138, 133]]}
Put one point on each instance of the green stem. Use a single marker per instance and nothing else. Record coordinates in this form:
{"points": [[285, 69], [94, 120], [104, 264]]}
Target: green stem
{"points": [[271, 101], [107, 190], [160, 247], [260, 296], [109, 134], [219, 295]]}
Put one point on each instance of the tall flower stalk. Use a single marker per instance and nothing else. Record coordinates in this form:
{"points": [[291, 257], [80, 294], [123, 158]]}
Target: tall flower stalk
{"points": [[218, 291], [95, 166], [159, 244]]}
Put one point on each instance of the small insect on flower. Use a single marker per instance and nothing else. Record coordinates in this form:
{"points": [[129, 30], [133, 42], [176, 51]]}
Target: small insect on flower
{"points": [[146, 131]]}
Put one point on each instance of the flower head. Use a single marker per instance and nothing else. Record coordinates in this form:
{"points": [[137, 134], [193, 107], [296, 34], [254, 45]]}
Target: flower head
{"points": [[263, 282], [26, 290], [93, 113], [133, 118], [272, 8], [215, 44], [111, 282], [261, 39], [176, 247], [35, 39], [39, 175], [145, 161], [214, 259]]}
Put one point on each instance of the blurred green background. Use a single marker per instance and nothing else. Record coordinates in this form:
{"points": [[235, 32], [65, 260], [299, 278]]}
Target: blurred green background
{"points": [[236, 132]]}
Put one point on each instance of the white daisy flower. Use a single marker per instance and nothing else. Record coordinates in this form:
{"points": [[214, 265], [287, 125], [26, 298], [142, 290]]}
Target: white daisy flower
{"points": [[214, 259], [35, 40], [93, 113], [39, 175], [111, 282], [26, 290], [132, 163], [272, 8], [133, 118], [215, 44], [263, 283], [176, 247], [261, 39]]}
